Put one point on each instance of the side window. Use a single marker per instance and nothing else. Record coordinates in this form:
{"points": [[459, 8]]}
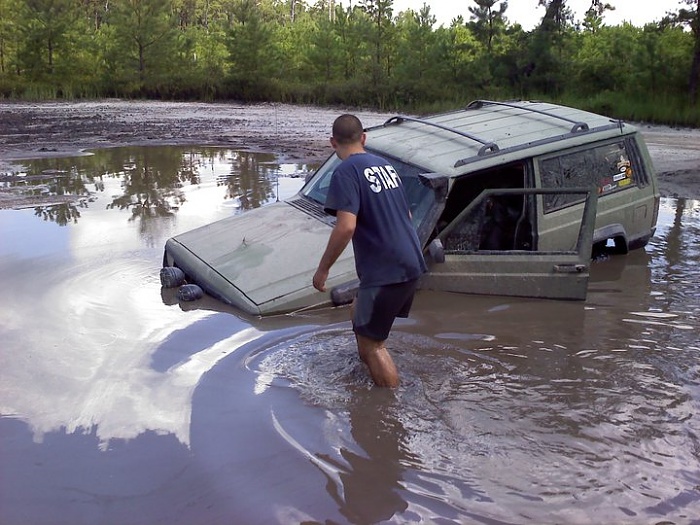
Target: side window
{"points": [[608, 167], [615, 171]]}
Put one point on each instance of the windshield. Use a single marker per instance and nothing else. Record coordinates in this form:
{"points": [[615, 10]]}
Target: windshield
{"points": [[317, 187], [420, 197]]}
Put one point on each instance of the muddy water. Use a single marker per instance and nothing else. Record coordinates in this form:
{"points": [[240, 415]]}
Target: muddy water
{"points": [[119, 405]]}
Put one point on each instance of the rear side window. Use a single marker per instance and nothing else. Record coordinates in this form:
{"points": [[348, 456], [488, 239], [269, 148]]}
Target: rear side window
{"points": [[611, 167]]}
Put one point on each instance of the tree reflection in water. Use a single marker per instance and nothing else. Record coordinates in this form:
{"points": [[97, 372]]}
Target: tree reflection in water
{"points": [[152, 182], [62, 213], [250, 180], [151, 178]]}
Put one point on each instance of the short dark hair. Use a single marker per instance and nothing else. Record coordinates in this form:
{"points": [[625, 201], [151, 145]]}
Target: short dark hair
{"points": [[347, 129]]}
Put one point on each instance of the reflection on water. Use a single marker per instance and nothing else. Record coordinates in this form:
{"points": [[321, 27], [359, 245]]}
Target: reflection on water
{"points": [[83, 303], [61, 214], [119, 405], [152, 182]]}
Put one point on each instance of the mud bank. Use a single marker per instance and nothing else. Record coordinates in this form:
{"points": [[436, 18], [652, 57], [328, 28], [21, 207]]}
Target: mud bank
{"points": [[299, 133]]}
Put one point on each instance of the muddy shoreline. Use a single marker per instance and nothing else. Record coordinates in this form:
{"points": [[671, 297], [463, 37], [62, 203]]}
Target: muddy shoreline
{"points": [[296, 133]]}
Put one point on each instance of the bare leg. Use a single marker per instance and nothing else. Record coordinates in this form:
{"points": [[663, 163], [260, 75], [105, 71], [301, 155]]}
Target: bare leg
{"points": [[381, 366], [375, 355]]}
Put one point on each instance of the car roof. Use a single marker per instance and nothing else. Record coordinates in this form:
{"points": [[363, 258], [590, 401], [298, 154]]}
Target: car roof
{"points": [[488, 133]]}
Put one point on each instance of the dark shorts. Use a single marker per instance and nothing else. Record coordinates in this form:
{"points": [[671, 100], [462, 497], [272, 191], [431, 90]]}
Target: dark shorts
{"points": [[377, 307]]}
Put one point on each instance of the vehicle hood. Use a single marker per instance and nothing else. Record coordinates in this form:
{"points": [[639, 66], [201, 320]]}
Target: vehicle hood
{"points": [[263, 260]]}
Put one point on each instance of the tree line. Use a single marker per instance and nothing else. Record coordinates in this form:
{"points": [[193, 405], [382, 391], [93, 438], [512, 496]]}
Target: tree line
{"points": [[362, 54]]}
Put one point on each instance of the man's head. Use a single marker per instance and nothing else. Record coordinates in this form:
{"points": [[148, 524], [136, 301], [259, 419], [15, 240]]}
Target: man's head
{"points": [[348, 136], [347, 129]]}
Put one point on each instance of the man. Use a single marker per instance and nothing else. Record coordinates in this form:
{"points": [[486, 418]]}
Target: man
{"points": [[367, 197]]}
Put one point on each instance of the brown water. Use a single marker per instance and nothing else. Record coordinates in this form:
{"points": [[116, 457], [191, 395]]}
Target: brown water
{"points": [[117, 405]]}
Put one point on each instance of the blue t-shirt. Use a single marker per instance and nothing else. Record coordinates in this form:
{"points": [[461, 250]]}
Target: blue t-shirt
{"points": [[387, 249]]}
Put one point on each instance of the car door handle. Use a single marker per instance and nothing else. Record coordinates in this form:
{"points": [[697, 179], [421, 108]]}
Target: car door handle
{"points": [[569, 268]]}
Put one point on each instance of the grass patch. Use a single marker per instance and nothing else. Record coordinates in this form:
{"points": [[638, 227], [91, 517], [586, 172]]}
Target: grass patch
{"points": [[662, 109]]}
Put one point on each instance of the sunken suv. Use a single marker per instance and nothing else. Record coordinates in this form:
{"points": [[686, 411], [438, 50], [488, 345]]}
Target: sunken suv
{"points": [[508, 198]]}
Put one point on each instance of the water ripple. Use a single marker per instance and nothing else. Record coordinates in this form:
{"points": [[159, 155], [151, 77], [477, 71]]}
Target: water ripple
{"points": [[482, 427]]}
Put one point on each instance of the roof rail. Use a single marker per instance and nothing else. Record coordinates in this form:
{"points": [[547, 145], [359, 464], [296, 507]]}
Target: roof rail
{"points": [[486, 148], [578, 125], [548, 140]]}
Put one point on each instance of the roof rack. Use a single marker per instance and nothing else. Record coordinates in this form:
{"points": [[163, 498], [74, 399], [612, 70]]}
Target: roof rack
{"points": [[486, 148], [578, 125], [489, 148]]}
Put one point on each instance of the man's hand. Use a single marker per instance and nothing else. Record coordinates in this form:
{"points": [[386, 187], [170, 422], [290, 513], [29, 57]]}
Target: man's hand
{"points": [[339, 239], [320, 280]]}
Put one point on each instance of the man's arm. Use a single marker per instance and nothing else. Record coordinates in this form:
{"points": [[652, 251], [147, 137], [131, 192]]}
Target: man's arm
{"points": [[340, 237]]}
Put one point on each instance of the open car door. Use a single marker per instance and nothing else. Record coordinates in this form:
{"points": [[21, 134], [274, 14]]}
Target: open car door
{"points": [[461, 258]]}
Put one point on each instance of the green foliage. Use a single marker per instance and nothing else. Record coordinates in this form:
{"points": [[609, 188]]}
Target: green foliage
{"points": [[417, 67], [362, 53], [140, 47], [322, 52], [252, 46]]}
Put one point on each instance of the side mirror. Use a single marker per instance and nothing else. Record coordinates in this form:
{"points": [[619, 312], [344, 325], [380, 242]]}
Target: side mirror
{"points": [[436, 251], [439, 184]]}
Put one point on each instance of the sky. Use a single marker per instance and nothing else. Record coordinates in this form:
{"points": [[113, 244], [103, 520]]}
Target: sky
{"points": [[528, 13]]}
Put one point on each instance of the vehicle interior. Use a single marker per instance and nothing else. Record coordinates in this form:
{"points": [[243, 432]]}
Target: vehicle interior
{"points": [[499, 222]]}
